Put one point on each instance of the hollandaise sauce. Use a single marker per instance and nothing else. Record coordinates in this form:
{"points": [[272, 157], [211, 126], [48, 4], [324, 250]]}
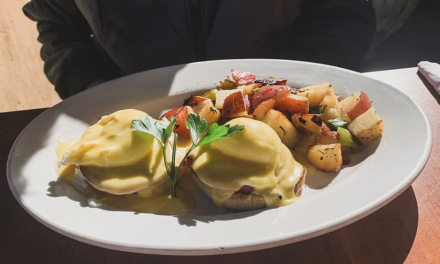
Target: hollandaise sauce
{"points": [[302, 158], [254, 157], [124, 170]]}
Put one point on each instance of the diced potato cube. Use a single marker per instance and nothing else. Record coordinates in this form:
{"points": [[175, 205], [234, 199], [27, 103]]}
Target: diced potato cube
{"points": [[326, 158], [315, 94], [282, 126], [308, 124], [220, 97], [367, 127], [332, 110]]}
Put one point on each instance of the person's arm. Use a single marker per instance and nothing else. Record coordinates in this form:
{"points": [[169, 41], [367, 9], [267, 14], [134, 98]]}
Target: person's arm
{"points": [[72, 61], [334, 32]]}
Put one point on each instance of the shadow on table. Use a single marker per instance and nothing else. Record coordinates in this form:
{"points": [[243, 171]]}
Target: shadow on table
{"points": [[385, 236], [430, 88]]}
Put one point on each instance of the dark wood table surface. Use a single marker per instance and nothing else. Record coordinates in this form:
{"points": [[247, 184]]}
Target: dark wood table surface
{"points": [[407, 230]]}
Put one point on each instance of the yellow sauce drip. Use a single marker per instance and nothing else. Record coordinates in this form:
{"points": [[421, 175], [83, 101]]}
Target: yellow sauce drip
{"points": [[187, 182], [114, 159], [302, 158]]}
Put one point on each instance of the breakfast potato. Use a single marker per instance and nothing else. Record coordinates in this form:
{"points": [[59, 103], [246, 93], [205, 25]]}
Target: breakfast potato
{"points": [[198, 108], [223, 121], [308, 124], [355, 105], [209, 95], [331, 91], [210, 114], [282, 126], [315, 94], [243, 77], [344, 116], [172, 112], [262, 109], [180, 127], [248, 89], [182, 115], [194, 101], [333, 110], [221, 95], [294, 104], [327, 136], [367, 127], [234, 105], [276, 92], [227, 84], [247, 102], [326, 158]]}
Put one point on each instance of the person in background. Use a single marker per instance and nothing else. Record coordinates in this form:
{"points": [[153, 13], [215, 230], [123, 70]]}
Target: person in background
{"points": [[86, 42]]}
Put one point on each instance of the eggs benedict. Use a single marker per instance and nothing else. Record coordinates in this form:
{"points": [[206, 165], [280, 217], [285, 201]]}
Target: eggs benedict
{"points": [[250, 170], [117, 161]]}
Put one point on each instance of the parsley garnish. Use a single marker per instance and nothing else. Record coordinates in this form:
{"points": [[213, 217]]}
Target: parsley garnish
{"points": [[162, 129]]}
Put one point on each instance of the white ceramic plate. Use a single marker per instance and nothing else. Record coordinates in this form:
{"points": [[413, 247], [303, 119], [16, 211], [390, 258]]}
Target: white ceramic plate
{"points": [[379, 173]]}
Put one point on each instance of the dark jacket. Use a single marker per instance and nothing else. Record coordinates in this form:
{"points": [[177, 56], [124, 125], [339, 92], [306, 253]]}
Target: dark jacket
{"points": [[86, 40]]}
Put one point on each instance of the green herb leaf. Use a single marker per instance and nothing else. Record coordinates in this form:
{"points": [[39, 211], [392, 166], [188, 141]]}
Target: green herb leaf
{"points": [[164, 122], [196, 127], [149, 125], [234, 130], [217, 132], [317, 109], [169, 127], [162, 130], [255, 90]]}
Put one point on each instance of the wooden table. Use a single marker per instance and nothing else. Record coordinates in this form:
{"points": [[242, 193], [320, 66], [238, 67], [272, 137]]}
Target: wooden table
{"points": [[406, 230]]}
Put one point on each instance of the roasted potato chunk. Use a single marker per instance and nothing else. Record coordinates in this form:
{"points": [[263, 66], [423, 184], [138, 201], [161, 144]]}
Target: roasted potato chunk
{"points": [[326, 158], [367, 127], [308, 124], [315, 94], [282, 126]]}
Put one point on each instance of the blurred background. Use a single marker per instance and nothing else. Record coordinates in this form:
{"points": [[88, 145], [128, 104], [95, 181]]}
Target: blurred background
{"points": [[408, 31]]}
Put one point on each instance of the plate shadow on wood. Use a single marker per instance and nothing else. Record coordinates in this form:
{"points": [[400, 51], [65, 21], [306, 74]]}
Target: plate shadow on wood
{"points": [[385, 236]]}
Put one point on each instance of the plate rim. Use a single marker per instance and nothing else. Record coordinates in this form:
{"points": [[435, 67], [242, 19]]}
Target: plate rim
{"points": [[265, 243]]}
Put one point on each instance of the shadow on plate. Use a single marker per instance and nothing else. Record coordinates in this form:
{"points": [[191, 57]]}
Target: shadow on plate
{"points": [[205, 211], [320, 180]]}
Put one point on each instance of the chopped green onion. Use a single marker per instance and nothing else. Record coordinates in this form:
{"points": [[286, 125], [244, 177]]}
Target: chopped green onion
{"points": [[317, 109], [336, 123], [346, 139]]}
